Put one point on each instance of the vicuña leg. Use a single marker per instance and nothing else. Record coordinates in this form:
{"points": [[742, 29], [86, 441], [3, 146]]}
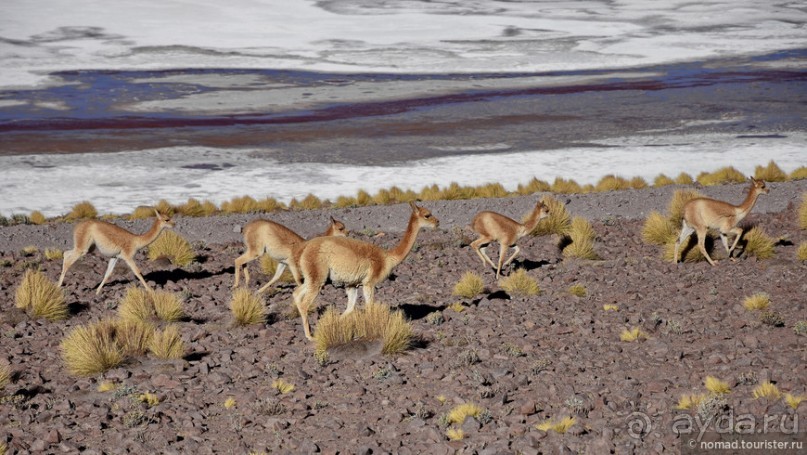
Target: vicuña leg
{"points": [[686, 231], [281, 267], [502, 252], [369, 293], [241, 263], [70, 258], [702, 244], [131, 263], [513, 256], [479, 246], [352, 296], [738, 232], [109, 270]]}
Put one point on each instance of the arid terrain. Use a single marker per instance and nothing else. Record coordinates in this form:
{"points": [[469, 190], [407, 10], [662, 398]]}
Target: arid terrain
{"points": [[523, 359]]}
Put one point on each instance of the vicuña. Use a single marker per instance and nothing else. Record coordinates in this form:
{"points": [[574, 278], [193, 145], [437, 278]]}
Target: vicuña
{"points": [[278, 241], [492, 226], [114, 242], [351, 263], [701, 214]]}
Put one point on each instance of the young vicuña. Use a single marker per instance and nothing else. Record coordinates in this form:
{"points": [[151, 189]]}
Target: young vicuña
{"points": [[278, 241], [114, 242], [494, 226], [701, 214], [351, 263]]}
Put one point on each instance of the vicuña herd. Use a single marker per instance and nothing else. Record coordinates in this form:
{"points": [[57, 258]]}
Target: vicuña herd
{"points": [[353, 263]]}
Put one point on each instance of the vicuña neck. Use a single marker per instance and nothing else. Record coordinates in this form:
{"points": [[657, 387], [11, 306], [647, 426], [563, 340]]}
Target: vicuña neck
{"points": [[146, 238], [399, 253], [532, 221], [749, 201]]}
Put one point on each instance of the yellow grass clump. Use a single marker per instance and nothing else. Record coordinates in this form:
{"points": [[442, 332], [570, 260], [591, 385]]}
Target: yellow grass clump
{"points": [[690, 401], [561, 185], [758, 301], [167, 306], [165, 207], [40, 297], [461, 412], [92, 349], [136, 305], [54, 254], [684, 179], [491, 190], [374, 322], [106, 386], [142, 212], [345, 201], [634, 334], [82, 211], [455, 434], [167, 343], [469, 286], [3, 448], [30, 250], [133, 337], [612, 183], [723, 175], [243, 204], [794, 400], [533, 186], [457, 307], [716, 386], [247, 307], [658, 229], [172, 246], [799, 173], [766, 390], [770, 173], [36, 217], [637, 183], [662, 180], [269, 266], [801, 252], [270, 204], [610, 307], [578, 290], [151, 399], [803, 212], [582, 237], [229, 403], [519, 284], [758, 243], [310, 202], [282, 386], [193, 207], [559, 427], [5, 374], [558, 221]]}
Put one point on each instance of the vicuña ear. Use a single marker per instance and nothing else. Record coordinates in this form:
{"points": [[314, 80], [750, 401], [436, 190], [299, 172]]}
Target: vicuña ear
{"points": [[412, 204], [751, 177], [333, 221], [156, 213]]}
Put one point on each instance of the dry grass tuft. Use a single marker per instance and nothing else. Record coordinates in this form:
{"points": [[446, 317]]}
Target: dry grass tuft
{"points": [[759, 301], [612, 183], [89, 350], [561, 185], [634, 334], [803, 212], [82, 211], [533, 186], [5, 374], [136, 305], [269, 266], [229, 403], [582, 237], [662, 180], [559, 427], [469, 286], [40, 297], [690, 401], [195, 208], [519, 284], [374, 322], [310, 202], [558, 221], [716, 386], [54, 254], [578, 290], [770, 173], [142, 212], [151, 399], [345, 201], [243, 204], [758, 243], [167, 343], [270, 204], [133, 337], [799, 173], [106, 386], [172, 246], [658, 229], [801, 252], [794, 400], [165, 208], [723, 175], [610, 307], [684, 179], [282, 386], [167, 306], [36, 217], [455, 434], [461, 412], [247, 307], [766, 390]]}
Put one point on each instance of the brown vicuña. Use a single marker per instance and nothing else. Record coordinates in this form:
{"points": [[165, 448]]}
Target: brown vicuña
{"points": [[494, 226], [351, 263], [278, 241], [701, 214], [114, 242]]}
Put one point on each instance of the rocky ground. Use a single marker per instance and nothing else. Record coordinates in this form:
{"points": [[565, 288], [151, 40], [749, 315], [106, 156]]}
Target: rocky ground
{"points": [[523, 360]]}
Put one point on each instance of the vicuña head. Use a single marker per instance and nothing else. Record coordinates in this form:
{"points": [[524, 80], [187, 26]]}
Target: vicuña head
{"points": [[351, 263], [278, 241], [492, 226], [701, 214], [114, 242]]}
